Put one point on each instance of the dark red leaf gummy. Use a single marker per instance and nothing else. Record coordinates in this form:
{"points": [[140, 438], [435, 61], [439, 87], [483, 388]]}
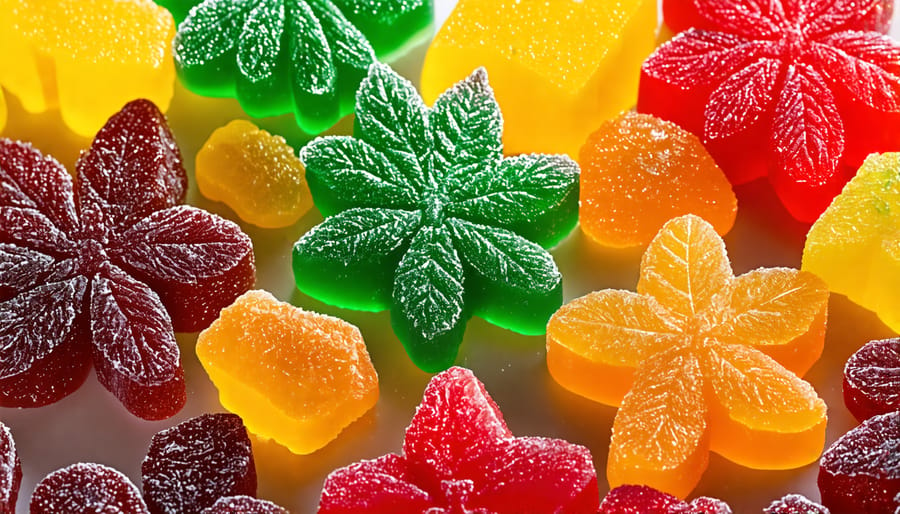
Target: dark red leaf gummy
{"points": [[459, 456], [795, 504], [860, 472], [191, 465], [872, 379], [87, 488], [243, 505], [795, 90], [104, 270], [10, 472], [641, 499]]}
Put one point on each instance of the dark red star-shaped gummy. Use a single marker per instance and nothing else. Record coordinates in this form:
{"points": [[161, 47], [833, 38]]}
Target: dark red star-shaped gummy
{"points": [[459, 457], [10, 471], [104, 270], [641, 499], [795, 504], [788, 89]]}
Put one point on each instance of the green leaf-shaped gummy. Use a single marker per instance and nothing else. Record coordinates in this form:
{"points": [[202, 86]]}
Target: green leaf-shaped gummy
{"points": [[389, 24]]}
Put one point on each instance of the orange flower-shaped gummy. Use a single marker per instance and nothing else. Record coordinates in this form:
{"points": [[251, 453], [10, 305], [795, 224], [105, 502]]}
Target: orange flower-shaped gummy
{"points": [[697, 360]]}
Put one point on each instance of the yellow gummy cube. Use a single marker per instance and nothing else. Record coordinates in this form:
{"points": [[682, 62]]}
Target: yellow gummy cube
{"points": [[558, 67], [855, 244]]}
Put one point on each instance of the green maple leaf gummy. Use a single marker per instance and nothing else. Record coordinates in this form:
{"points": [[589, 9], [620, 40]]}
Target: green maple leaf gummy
{"points": [[300, 56], [425, 217]]}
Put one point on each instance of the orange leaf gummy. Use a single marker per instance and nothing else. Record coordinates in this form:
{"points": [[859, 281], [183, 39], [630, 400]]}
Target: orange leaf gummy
{"points": [[295, 377], [255, 173], [697, 360], [639, 171]]}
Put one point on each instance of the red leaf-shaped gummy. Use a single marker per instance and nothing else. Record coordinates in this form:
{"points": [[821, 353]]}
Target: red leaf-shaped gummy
{"points": [[135, 352], [741, 100], [865, 65], [380, 486], [10, 472], [243, 505], [757, 19], [189, 466], [795, 504], [641, 499], [197, 262], [21, 269], [872, 379], [698, 58], [829, 16], [86, 487], [860, 472]]}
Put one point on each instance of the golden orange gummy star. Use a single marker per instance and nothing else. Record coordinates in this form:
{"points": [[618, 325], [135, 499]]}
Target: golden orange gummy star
{"points": [[697, 360]]}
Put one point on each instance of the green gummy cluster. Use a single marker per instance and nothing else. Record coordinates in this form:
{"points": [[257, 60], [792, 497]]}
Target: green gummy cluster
{"points": [[279, 56], [425, 217]]}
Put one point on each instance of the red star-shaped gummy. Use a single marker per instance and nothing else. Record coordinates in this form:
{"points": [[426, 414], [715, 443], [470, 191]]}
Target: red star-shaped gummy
{"points": [[791, 89], [86, 269], [459, 457]]}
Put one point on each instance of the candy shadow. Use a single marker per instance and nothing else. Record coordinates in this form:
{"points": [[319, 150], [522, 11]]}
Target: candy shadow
{"points": [[46, 131]]}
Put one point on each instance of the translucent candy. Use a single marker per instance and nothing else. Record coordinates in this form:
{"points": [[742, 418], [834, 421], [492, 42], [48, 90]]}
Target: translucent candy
{"points": [[638, 172], [459, 456], [559, 67], [86, 487], [795, 504], [105, 270], [2, 111], [243, 505], [255, 173], [10, 471], [300, 56], [855, 245], [860, 472], [781, 89], [294, 376], [640, 499], [86, 58], [872, 379], [699, 360], [191, 465], [424, 216]]}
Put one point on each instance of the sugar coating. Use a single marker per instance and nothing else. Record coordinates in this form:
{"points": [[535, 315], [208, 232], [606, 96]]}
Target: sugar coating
{"points": [[10, 471], [86, 487], [641, 499], [872, 379], [795, 504], [243, 505]]}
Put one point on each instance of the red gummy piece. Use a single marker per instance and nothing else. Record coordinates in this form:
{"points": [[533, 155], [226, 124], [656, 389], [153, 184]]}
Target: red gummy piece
{"points": [[781, 88], [243, 505], [641, 499], [86, 487], [872, 379], [191, 465], [459, 456], [105, 270], [860, 472], [795, 504], [10, 472]]}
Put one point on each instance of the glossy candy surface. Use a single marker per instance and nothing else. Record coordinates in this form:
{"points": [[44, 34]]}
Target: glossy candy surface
{"points": [[424, 216], [872, 379], [294, 376], [86, 487], [795, 504], [640, 499], [638, 172], [459, 456], [787, 90], [10, 471], [559, 67], [104, 271], [300, 56], [697, 360], [855, 245], [255, 173]]}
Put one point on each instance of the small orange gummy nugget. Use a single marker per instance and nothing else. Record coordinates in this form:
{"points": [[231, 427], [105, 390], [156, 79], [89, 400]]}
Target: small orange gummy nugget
{"points": [[294, 376]]}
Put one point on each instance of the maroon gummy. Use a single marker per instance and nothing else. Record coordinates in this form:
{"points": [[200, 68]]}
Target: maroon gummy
{"points": [[10, 472], [872, 379], [86, 487], [104, 271], [642, 499], [191, 465], [795, 504], [243, 505], [860, 472]]}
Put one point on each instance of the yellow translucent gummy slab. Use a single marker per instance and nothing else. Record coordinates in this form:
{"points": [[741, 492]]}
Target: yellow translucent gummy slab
{"points": [[86, 58], [558, 67]]}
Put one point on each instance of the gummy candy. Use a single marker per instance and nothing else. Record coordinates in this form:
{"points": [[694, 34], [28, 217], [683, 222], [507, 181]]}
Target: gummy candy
{"points": [[296, 377], [782, 89], [795, 504], [178, 8], [559, 67], [243, 505], [2, 111], [872, 379], [85, 271], [86, 487], [699, 360], [459, 456], [638, 171], [10, 471], [424, 216], [855, 245], [300, 56], [860, 472], [189, 466], [255, 173], [86, 58], [640, 499]]}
